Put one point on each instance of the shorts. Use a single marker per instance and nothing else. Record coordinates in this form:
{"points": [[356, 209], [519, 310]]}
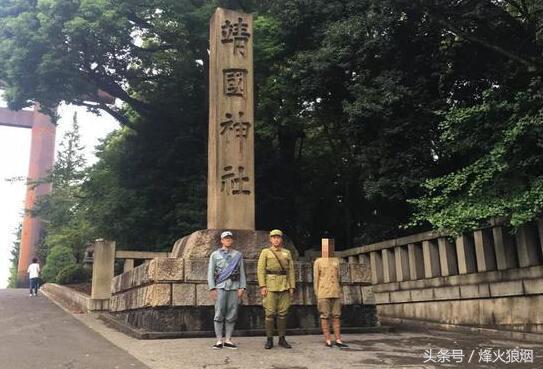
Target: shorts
{"points": [[329, 306]]}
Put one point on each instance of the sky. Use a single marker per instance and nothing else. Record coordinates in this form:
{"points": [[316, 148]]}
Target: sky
{"points": [[14, 157]]}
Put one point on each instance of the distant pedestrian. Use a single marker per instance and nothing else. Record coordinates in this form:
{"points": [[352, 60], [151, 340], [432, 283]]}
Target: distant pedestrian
{"points": [[34, 276]]}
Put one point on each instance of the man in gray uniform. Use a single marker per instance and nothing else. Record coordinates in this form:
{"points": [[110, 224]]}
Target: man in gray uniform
{"points": [[227, 283]]}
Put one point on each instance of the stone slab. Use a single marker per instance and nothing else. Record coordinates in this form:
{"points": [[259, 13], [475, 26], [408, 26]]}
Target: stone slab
{"points": [[511, 288], [368, 297], [166, 269], [447, 293], [196, 270], [309, 295], [184, 294], [351, 295], [345, 273], [203, 297], [484, 290], [400, 296], [250, 270], [252, 295], [360, 273], [158, 295], [469, 291], [382, 298], [297, 298], [533, 286], [425, 294]]}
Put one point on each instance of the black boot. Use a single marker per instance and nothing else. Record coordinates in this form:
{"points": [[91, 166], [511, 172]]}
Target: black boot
{"points": [[282, 330], [269, 324], [283, 342]]}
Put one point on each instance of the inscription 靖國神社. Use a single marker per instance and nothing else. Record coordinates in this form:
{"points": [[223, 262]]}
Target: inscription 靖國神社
{"points": [[231, 187]]}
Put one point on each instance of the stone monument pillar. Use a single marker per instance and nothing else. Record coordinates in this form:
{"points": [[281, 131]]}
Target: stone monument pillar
{"points": [[171, 294], [231, 184]]}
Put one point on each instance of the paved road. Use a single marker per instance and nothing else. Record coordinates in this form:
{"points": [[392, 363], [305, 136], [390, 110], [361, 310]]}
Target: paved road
{"points": [[36, 333], [402, 349]]}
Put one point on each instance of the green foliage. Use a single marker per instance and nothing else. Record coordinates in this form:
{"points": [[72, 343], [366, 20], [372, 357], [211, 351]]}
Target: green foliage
{"points": [[504, 174], [73, 273], [65, 222], [59, 258], [361, 105], [14, 261]]}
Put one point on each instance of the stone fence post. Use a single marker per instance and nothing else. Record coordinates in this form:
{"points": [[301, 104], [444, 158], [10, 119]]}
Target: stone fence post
{"points": [[102, 274]]}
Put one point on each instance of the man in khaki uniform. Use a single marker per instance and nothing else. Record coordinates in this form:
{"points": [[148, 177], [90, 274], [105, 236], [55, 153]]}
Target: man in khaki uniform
{"points": [[277, 283], [326, 282]]}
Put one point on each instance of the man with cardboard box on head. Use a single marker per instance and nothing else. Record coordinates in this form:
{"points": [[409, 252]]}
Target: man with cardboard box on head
{"points": [[326, 282]]}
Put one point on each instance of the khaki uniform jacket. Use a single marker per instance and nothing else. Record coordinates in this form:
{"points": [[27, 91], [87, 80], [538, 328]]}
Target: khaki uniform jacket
{"points": [[326, 278], [267, 262]]}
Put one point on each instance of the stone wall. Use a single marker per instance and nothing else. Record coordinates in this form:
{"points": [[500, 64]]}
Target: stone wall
{"points": [[490, 278], [170, 294], [508, 300]]}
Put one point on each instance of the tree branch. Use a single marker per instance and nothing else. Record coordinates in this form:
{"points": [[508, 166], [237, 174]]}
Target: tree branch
{"points": [[117, 91], [529, 63], [120, 117]]}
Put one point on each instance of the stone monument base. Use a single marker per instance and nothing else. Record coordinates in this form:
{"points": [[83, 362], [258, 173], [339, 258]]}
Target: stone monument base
{"points": [[171, 294], [153, 323]]}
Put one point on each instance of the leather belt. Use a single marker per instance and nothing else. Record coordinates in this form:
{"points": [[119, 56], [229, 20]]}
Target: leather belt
{"points": [[276, 273]]}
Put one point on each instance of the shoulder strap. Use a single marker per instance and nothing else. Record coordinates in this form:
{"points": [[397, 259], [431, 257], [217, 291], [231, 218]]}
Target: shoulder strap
{"points": [[278, 260], [227, 271]]}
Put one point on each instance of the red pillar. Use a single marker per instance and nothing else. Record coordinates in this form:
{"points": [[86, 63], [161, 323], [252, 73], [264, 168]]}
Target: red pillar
{"points": [[42, 152]]}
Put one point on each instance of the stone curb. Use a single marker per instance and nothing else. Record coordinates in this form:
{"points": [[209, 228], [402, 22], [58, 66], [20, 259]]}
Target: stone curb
{"points": [[399, 323], [110, 321]]}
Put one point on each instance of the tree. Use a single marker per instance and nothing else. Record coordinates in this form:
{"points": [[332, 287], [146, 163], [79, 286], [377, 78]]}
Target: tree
{"points": [[60, 211], [360, 106], [46, 52], [59, 258], [14, 261], [492, 135], [352, 106]]}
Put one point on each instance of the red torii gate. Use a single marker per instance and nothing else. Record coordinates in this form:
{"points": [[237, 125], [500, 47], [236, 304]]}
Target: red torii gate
{"points": [[42, 153]]}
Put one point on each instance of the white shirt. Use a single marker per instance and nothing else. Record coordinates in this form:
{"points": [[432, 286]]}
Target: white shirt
{"points": [[34, 270]]}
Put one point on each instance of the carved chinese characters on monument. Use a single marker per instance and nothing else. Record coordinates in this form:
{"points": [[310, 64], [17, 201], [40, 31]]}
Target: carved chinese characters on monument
{"points": [[234, 82], [236, 34], [235, 128], [232, 181], [231, 187]]}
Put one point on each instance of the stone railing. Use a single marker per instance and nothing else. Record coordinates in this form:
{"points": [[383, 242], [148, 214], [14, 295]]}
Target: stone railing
{"points": [[131, 257], [486, 278]]}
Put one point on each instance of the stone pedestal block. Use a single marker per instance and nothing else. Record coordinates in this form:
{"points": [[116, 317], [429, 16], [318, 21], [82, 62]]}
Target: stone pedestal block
{"points": [[200, 244]]}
